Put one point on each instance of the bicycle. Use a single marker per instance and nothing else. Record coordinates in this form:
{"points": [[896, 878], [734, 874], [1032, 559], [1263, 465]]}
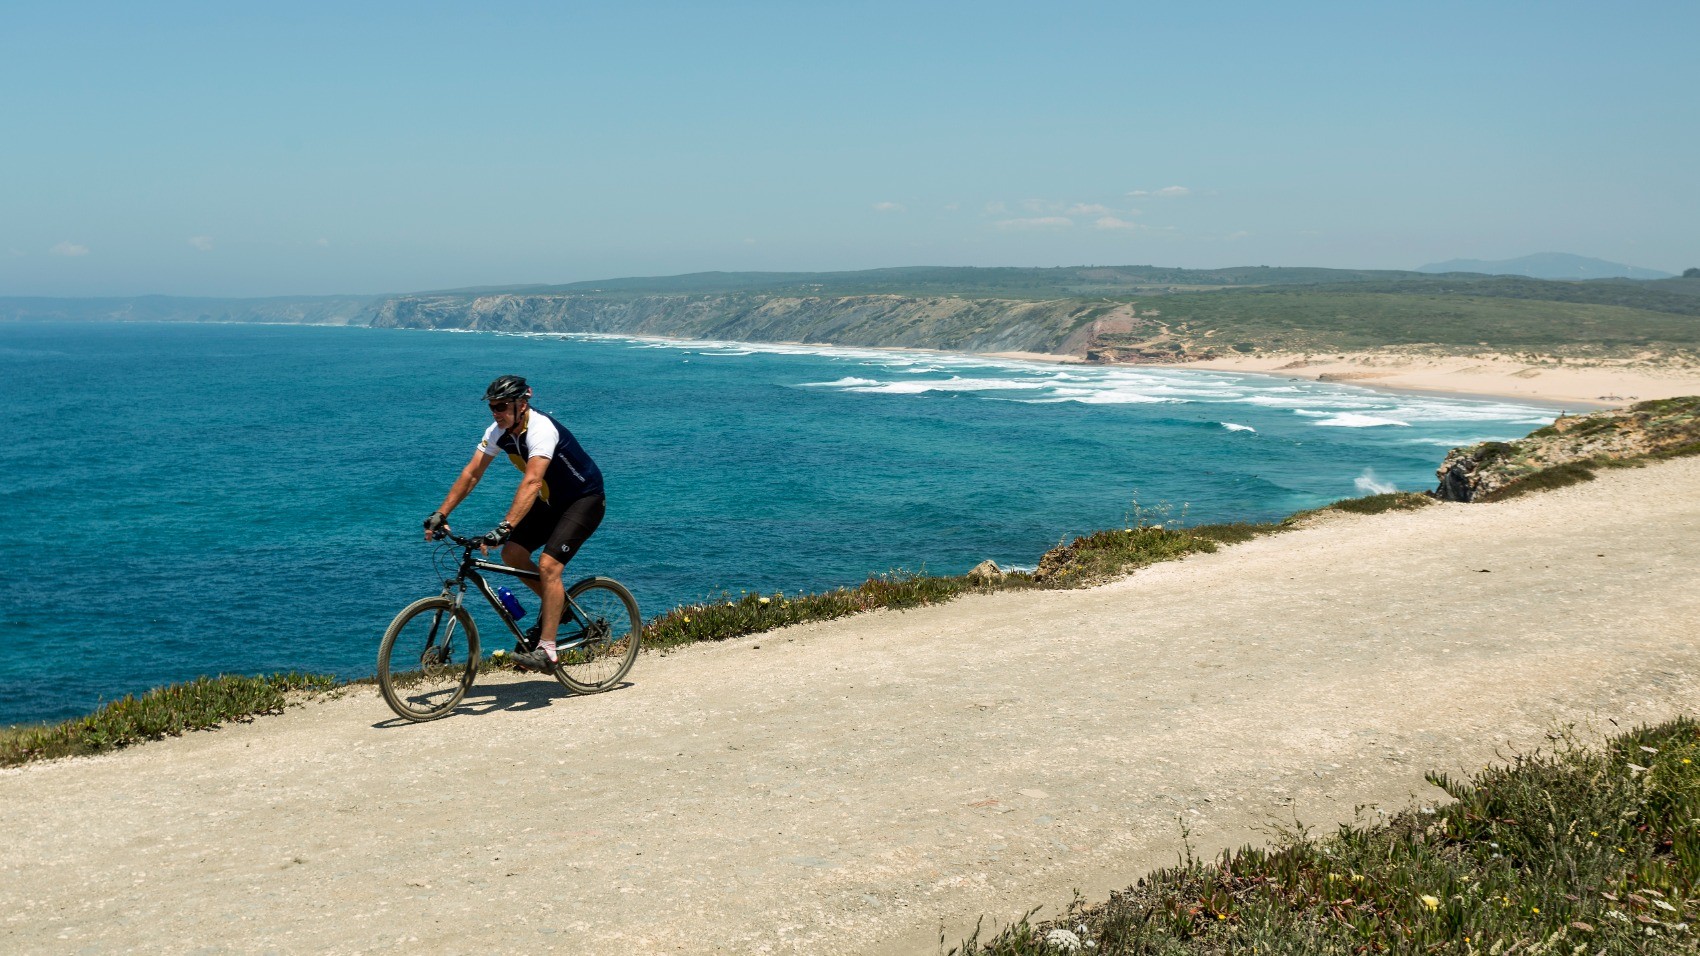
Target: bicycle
{"points": [[597, 642]]}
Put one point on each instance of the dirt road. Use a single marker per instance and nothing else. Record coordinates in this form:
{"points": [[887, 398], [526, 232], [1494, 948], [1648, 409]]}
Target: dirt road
{"points": [[847, 787]]}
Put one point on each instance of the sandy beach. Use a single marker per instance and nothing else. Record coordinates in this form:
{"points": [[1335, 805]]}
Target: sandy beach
{"points": [[1575, 383], [850, 787]]}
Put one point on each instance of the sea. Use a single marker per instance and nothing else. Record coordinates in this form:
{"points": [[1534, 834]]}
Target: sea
{"points": [[190, 499]]}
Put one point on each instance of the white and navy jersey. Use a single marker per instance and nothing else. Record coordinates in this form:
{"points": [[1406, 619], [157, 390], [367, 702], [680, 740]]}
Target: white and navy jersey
{"points": [[571, 474]]}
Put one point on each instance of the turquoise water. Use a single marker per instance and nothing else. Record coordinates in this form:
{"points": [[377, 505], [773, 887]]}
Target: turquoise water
{"points": [[186, 500]]}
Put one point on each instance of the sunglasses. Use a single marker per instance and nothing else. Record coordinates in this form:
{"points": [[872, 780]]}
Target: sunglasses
{"points": [[500, 407]]}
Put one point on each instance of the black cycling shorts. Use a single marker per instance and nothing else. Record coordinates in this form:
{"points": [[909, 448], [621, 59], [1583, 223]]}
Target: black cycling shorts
{"points": [[560, 531]]}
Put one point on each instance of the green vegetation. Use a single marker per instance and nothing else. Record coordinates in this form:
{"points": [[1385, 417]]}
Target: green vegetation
{"points": [[200, 704], [746, 614], [1572, 448], [1159, 312], [1581, 851], [1378, 504], [1064, 282], [1546, 479], [1334, 320]]}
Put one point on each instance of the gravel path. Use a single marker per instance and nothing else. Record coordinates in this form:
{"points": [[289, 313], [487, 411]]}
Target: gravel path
{"points": [[848, 787]]}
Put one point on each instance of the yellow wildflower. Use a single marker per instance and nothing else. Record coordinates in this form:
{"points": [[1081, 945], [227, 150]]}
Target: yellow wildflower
{"points": [[1430, 901], [764, 600]]}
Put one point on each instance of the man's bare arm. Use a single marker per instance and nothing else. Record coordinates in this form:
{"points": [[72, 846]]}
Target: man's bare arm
{"points": [[529, 488]]}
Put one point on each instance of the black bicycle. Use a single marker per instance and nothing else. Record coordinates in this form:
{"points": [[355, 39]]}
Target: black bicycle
{"points": [[429, 655]]}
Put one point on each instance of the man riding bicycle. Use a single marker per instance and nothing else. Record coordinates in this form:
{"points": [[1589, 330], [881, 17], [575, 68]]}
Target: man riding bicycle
{"points": [[557, 507]]}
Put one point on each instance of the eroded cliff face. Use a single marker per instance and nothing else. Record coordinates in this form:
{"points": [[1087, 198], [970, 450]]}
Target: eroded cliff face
{"points": [[937, 322]]}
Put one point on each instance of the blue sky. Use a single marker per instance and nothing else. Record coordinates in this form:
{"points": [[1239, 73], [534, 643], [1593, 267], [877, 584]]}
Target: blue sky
{"points": [[224, 149]]}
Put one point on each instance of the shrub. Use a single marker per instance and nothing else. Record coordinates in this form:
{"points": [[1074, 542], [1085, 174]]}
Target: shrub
{"points": [[1580, 851], [1557, 476], [1377, 504], [200, 704]]}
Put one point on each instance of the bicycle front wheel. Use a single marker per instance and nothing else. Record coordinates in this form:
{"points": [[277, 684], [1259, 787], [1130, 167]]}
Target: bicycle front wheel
{"points": [[600, 641], [428, 658]]}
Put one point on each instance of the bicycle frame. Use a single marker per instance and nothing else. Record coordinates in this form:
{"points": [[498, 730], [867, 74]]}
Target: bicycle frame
{"points": [[470, 567]]}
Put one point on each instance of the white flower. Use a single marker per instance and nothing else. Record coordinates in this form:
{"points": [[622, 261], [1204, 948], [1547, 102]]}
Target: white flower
{"points": [[1064, 940]]}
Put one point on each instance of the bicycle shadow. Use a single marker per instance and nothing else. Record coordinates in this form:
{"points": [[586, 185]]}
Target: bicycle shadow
{"points": [[513, 696]]}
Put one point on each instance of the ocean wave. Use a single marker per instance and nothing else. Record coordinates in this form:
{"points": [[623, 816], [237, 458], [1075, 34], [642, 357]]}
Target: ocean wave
{"points": [[1357, 420], [1368, 484], [1096, 396], [1441, 442], [842, 383], [1230, 426], [952, 384]]}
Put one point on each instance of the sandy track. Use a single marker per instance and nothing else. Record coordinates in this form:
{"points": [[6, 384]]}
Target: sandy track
{"points": [[847, 787]]}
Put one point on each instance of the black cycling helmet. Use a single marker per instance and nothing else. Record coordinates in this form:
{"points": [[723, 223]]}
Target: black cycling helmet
{"points": [[506, 389]]}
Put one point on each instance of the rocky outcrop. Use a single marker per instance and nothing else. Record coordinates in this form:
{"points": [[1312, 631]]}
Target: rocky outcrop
{"points": [[1649, 429], [1058, 562], [986, 572], [939, 322]]}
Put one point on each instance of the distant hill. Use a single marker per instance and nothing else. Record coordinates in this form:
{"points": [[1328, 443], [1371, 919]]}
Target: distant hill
{"points": [[1110, 313], [1547, 265]]}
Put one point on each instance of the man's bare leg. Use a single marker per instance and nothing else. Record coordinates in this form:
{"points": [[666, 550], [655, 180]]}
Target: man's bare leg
{"points": [[515, 556], [554, 598]]}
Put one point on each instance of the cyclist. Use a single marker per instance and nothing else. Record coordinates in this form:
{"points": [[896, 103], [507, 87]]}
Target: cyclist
{"points": [[558, 504]]}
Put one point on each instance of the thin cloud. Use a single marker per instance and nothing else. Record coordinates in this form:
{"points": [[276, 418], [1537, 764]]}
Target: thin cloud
{"points": [[1054, 207], [1111, 222], [1037, 222], [203, 243], [1167, 192], [889, 207], [69, 248], [996, 209]]}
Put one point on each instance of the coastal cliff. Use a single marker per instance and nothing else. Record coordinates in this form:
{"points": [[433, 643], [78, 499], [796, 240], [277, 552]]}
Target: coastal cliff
{"points": [[937, 322], [1570, 449]]}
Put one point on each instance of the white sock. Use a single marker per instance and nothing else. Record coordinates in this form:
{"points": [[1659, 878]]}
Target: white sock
{"points": [[548, 649]]}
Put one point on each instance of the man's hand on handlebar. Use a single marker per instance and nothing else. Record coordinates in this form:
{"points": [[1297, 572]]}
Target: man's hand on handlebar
{"points": [[496, 537], [436, 526]]}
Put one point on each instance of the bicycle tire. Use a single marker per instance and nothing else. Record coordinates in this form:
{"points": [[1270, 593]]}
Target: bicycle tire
{"points": [[613, 647], [436, 686]]}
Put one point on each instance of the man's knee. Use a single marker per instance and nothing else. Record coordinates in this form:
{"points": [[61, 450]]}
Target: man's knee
{"points": [[549, 568]]}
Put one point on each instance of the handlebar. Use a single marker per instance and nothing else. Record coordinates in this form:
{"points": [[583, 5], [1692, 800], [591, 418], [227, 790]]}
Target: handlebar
{"points": [[472, 542]]}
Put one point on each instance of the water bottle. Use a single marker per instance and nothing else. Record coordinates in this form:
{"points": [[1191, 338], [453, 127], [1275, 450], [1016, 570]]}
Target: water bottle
{"points": [[511, 603]]}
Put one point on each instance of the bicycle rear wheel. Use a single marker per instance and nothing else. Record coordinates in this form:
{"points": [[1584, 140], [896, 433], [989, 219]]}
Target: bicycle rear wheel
{"points": [[598, 649], [428, 658]]}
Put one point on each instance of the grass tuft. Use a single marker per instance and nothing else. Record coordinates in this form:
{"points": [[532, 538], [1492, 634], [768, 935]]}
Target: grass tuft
{"points": [[730, 617], [1378, 504], [1584, 850], [1557, 476], [200, 704]]}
